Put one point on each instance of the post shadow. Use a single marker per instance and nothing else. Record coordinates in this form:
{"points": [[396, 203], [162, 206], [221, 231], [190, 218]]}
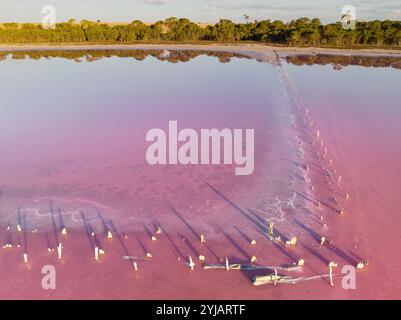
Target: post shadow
{"points": [[315, 201], [121, 241], [55, 231], [48, 240], [277, 232], [291, 255], [94, 236], [318, 255], [307, 198], [142, 245], [104, 224], [9, 237], [25, 234], [310, 231], [19, 219], [195, 233], [243, 234], [189, 244], [233, 242], [233, 205], [343, 255], [169, 238], [356, 256], [87, 230], [60, 219], [147, 230], [326, 186], [262, 221]]}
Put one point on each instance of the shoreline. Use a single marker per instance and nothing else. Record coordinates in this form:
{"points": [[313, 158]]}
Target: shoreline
{"points": [[258, 51]]}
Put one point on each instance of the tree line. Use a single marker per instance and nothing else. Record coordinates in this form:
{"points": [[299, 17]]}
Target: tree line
{"points": [[300, 32]]}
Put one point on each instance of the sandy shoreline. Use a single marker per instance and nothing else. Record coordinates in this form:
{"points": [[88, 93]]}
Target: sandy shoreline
{"points": [[261, 52]]}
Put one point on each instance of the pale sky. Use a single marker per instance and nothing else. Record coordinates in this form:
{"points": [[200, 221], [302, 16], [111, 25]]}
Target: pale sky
{"points": [[196, 10]]}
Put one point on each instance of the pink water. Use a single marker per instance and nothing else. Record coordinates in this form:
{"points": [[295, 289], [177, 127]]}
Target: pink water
{"points": [[73, 136], [358, 111]]}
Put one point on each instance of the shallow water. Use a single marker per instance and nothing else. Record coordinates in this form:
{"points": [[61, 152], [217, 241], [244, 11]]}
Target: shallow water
{"points": [[74, 134], [358, 110], [73, 139]]}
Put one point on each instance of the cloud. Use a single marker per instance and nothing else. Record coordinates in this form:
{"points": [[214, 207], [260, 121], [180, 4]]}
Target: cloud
{"points": [[199, 10], [285, 10], [255, 6], [155, 2], [395, 15]]}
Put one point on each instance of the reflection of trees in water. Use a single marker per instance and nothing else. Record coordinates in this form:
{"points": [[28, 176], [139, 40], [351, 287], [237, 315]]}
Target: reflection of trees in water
{"points": [[172, 56], [364, 61]]}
